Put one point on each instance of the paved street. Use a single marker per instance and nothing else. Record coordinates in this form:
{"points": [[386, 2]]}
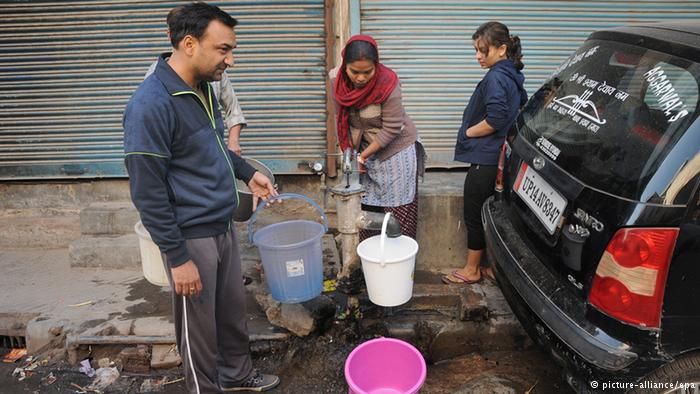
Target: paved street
{"points": [[83, 300]]}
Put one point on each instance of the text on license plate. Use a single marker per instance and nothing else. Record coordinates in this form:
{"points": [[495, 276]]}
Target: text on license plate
{"points": [[547, 204]]}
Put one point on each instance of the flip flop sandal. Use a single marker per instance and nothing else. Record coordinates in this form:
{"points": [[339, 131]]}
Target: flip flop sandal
{"points": [[488, 277], [462, 280]]}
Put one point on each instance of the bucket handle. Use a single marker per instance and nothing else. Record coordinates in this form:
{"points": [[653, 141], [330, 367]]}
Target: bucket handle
{"points": [[285, 196], [382, 239]]}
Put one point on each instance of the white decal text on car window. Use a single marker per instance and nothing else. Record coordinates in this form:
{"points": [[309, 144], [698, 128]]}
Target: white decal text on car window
{"points": [[548, 148], [575, 58], [666, 94]]}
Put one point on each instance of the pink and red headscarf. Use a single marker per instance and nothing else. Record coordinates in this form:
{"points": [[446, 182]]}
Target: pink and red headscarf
{"points": [[376, 91]]}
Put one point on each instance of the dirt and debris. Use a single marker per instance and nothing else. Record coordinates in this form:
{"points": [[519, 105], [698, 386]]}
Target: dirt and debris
{"points": [[48, 379], [165, 356], [152, 385], [314, 364], [104, 377], [27, 368], [330, 285], [14, 355], [105, 362], [86, 368], [89, 302], [136, 359]]}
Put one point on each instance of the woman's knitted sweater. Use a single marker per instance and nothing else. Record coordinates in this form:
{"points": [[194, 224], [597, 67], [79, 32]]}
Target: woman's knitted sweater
{"points": [[387, 123]]}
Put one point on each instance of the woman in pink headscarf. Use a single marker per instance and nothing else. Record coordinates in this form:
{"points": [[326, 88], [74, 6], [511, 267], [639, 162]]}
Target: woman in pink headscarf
{"points": [[372, 120]]}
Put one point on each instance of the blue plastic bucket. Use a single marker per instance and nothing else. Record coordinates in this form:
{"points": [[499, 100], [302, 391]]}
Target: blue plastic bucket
{"points": [[291, 254]]}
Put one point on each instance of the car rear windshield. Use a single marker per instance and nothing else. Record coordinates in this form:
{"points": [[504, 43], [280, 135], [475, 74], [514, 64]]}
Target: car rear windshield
{"points": [[617, 117]]}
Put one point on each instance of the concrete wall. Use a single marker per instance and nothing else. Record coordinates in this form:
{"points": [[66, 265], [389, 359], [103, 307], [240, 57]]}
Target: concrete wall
{"points": [[56, 196], [52, 197], [47, 214], [441, 232]]}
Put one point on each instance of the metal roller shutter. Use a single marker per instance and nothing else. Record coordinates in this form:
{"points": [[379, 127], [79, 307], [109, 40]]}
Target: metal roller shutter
{"points": [[67, 69], [429, 44]]}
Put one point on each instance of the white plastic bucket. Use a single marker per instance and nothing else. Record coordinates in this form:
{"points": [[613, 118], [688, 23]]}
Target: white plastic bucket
{"points": [[388, 265], [151, 259]]}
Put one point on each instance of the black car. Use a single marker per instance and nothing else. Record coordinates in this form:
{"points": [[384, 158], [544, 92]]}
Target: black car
{"points": [[594, 232]]}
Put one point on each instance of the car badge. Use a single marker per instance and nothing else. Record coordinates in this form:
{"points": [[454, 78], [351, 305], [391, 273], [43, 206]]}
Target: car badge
{"points": [[574, 282], [538, 162], [588, 220]]}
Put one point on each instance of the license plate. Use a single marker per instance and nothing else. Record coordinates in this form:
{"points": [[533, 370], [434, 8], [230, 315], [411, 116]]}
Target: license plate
{"points": [[544, 201]]}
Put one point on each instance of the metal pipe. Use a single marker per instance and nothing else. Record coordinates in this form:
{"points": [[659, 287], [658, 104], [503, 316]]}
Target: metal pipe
{"points": [[77, 340]]}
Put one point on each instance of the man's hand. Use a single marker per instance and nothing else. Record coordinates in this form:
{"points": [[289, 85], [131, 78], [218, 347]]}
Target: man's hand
{"points": [[186, 279], [261, 187]]}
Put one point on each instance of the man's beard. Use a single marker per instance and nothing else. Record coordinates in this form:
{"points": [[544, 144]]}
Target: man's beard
{"points": [[214, 76]]}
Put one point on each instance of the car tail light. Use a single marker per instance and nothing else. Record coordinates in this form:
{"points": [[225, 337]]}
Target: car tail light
{"points": [[498, 188], [631, 276]]}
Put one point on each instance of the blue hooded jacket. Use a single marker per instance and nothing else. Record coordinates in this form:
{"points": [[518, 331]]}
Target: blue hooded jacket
{"points": [[497, 98], [181, 174]]}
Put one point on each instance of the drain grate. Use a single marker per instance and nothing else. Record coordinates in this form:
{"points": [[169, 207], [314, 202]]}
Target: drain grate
{"points": [[12, 342]]}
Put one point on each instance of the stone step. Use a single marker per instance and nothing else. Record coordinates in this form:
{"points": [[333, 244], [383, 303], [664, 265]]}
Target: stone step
{"points": [[465, 302], [456, 302], [159, 330], [38, 232], [428, 296], [473, 302], [108, 218], [446, 321], [120, 252], [441, 338], [457, 338]]}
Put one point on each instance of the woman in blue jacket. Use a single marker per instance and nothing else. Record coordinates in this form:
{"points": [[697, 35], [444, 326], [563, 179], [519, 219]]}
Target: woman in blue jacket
{"points": [[489, 115]]}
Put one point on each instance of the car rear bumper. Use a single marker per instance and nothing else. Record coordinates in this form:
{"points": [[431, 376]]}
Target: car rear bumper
{"points": [[559, 314]]}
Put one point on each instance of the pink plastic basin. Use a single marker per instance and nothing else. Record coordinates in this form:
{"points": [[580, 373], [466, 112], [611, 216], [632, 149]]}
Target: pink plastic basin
{"points": [[385, 366]]}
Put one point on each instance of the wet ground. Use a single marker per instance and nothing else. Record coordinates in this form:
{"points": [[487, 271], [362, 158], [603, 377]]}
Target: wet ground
{"points": [[306, 366], [153, 301], [310, 365], [315, 365]]}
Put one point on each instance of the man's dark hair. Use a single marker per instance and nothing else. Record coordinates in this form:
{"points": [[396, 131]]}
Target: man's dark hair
{"points": [[193, 19], [172, 14]]}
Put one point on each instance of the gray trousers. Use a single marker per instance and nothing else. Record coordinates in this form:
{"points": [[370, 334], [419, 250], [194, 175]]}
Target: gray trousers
{"points": [[211, 329]]}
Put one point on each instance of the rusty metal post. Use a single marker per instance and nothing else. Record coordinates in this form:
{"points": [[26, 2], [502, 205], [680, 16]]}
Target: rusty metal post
{"points": [[331, 140]]}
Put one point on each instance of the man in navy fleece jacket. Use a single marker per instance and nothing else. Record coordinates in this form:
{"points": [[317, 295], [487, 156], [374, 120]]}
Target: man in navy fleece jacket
{"points": [[182, 179]]}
